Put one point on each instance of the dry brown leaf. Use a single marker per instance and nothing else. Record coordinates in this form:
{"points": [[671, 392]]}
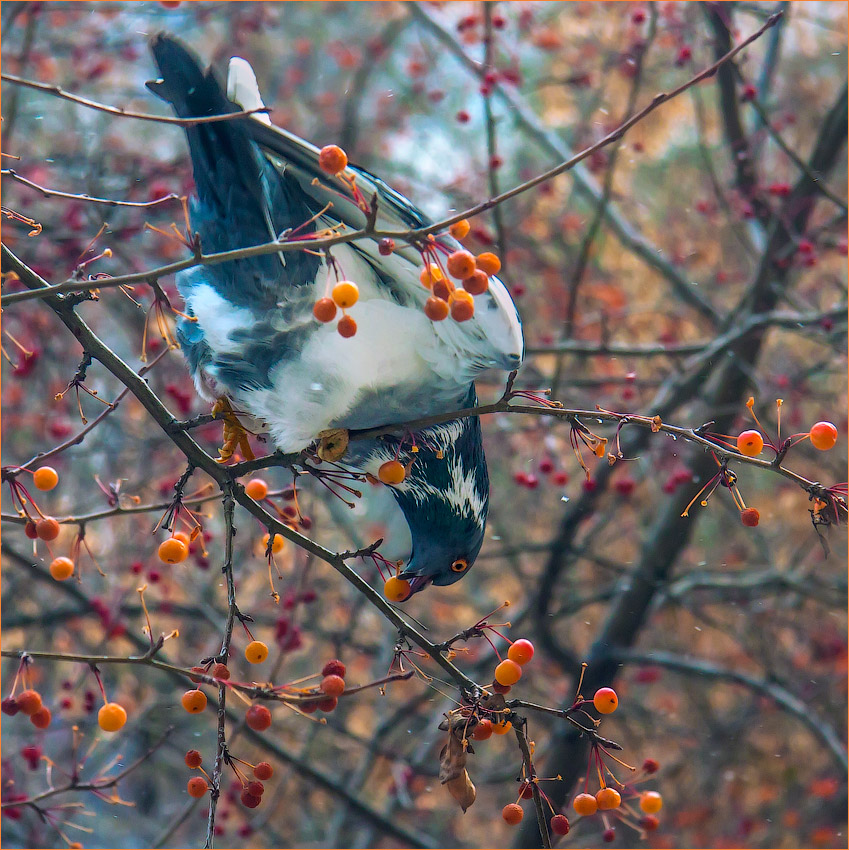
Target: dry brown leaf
{"points": [[332, 443], [452, 759], [463, 790]]}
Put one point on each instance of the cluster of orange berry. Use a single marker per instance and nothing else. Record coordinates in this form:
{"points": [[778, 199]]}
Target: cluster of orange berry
{"points": [[331, 687], [344, 295], [252, 789], [509, 671], [473, 273], [513, 813], [28, 702]]}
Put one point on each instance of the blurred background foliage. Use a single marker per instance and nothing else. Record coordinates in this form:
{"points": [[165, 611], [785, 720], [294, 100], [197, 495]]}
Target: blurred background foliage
{"points": [[764, 605]]}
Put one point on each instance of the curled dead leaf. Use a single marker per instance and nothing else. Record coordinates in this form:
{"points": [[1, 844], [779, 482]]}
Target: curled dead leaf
{"points": [[332, 443], [463, 790], [452, 759]]}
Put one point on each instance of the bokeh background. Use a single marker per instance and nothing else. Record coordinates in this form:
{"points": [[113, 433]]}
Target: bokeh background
{"points": [[730, 665]]}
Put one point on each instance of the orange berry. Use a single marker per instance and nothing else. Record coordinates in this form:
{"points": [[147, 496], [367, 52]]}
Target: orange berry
{"points": [[347, 327], [605, 701], [61, 568], [396, 589], [332, 159], [256, 652], [750, 517], [324, 310], [608, 798], [257, 489], [430, 274], [278, 545], [181, 535], [483, 730], [651, 802], [197, 786], [488, 263], [521, 651], [585, 804], [258, 718], [41, 718], [193, 759], [45, 478], [332, 685], [47, 528], [824, 436], [345, 294], [462, 305], [460, 264], [29, 702], [477, 283], [392, 472], [750, 443], [173, 551], [194, 701], [501, 728], [436, 309], [512, 813], [442, 290], [333, 668], [263, 771], [111, 717], [559, 825], [508, 672], [460, 229]]}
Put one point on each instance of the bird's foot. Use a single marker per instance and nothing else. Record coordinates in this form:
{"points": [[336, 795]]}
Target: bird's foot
{"points": [[235, 434]]}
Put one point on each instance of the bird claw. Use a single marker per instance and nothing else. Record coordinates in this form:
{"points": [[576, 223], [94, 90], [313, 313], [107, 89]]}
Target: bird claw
{"points": [[235, 434]]}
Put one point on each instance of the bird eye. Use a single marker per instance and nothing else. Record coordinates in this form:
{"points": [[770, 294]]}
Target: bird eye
{"points": [[459, 565]]}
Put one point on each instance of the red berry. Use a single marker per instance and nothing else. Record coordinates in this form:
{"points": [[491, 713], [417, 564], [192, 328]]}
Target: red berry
{"points": [[255, 788], [41, 718], [750, 517], [324, 310], [483, 730], [47, 528], [512, 813], [220, 671], [477, 283], [333, 668], [30, 530], [29, 702], [521, 651], [193, 759], [386, 246], [651, 766], [500, 689], [263, 771], [526, 791], [347, 327], [560, 825], [332, 159], [197, 786], [328, 704], [332, 685], [249, 801], [10, 706], [258, 718], [608, 835], [649, 823]]}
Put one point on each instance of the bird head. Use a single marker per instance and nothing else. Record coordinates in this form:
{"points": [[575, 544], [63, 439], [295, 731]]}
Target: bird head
{"points": [[444, 499]]}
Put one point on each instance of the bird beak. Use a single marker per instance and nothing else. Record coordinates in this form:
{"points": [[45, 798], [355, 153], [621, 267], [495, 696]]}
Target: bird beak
{"points": [[418, 583]]}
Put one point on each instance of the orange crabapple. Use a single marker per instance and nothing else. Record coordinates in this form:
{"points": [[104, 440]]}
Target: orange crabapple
{"points": [[396, 589], [345, 294], [193, 759], [47, 528], [172, 551], [277, 545], [181, 535], [194, 701], [605, 701], [392, 472], [823, 436], [332, 159], [512, 813], [429, 275], [256, 489], [41, 718], [61, 569], [476, 283], [460, 229], [462, 305], [521, 651], [111, 717], [508, 673], [460, 264], [324, 310], [585, 805], [197, 786], [436, 309], [263, 770], [29, 702], [488, 263], [45, 478], [750, 517], [608, 798], [332, 685], [256, 652], [651, 802], [258, 718], [750, 443], [347, 327]]}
